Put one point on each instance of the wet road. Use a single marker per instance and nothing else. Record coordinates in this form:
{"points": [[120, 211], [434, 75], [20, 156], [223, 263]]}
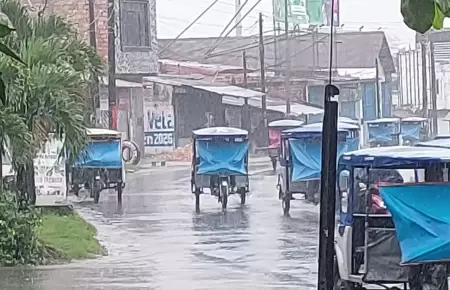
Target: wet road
{"points": [[159, 242]]}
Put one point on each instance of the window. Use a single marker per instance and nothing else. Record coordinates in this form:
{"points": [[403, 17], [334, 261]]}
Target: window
{"points": [[135, 25]]}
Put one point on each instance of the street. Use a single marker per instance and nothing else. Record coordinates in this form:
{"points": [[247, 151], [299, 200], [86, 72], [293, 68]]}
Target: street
{"points": [[159, 242]]}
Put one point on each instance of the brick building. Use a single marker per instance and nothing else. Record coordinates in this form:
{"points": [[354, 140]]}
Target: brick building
{"points": [[136, 39]]}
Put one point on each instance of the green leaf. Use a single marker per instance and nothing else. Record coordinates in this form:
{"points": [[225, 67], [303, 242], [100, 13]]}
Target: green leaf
{"points": [[6, 50], [438, 21], [5, 30], [444, 6], [418, 14]]}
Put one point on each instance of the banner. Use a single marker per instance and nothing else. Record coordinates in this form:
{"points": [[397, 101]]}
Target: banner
{"points": [[50, 172], [306, 12]]}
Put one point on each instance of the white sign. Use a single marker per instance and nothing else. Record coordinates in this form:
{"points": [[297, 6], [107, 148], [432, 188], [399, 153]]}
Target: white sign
{"points": [[159, 125], [50, 172]]}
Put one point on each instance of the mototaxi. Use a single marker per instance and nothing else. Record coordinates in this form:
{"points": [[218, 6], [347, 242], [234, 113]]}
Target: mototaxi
{"points": [[413, 130], [275, 129], [373, 246], [101, 165], [220, 163], [353, 135], [383, 132], [301, 164]]}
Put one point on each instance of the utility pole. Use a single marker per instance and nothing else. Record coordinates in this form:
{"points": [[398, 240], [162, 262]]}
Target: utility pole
{"points": [[416, 55], [400, 79], [415, 77], [433, 88], [94, 78], [377, 86], [411, 69], [287, 73], [423, 50], [238, 18], [263, 79], [112, 99], [245, 115], [407, 83], [275, 34]]}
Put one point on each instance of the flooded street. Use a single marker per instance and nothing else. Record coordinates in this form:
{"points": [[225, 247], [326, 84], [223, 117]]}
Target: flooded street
{"points": [[159, 242]]}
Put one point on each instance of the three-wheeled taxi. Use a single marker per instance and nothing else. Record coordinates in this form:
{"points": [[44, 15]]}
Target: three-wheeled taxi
{"points": [[384, 132], [353, 135], [413, 130], [275, 129], [371, 245], [101, 165], [220, 163], [301, 164]]}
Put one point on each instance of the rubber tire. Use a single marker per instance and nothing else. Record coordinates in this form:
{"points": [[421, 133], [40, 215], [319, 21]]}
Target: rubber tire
{"points": [[274, 164], [243, 197], [96, 195], [286, 204], [197, 200], [223, 196], [344, 285]]}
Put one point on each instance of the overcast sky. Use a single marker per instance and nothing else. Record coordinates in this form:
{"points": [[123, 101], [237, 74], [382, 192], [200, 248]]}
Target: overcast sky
{"points": [[175, 15]]}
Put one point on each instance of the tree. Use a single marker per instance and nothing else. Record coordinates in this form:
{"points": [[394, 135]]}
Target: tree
{"points": [[421, 15], [49, 91]]}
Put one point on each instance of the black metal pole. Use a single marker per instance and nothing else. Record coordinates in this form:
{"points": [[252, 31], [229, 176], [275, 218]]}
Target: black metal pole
{"points": [[112, 100], [328, 190], [328, 178]]}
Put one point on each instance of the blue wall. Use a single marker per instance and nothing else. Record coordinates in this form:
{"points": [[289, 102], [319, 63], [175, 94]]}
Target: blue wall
{"points": [[369, 101]]}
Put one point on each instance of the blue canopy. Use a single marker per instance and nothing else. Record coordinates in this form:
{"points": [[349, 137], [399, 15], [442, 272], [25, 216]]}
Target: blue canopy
{"points": [[380, 133], [306, 158], [219, 157], [352, 144], [422, 220], [396, 156], [101, 154], [439, 143], [411, 131]]}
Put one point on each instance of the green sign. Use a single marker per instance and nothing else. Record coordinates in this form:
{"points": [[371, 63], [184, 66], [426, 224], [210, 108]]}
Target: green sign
{"points": [[305, 12]]}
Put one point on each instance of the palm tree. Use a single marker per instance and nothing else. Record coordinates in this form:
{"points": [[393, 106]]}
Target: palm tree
{"points": [[50, 91]]}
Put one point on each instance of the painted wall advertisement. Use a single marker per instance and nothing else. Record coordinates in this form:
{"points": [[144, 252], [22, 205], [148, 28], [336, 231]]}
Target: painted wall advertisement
{"points": [[306, 12], [50, 172], [159, 123]]}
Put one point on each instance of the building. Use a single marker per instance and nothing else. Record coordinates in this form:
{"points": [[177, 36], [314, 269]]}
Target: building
{"points": [[136, 39], [357, 55]]}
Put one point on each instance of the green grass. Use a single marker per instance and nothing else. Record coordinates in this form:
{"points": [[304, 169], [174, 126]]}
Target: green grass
{"points": [[70, 236]]}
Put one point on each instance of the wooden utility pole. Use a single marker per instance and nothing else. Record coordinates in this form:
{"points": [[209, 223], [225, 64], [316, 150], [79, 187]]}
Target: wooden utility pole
{"points": [[112, 99], [433, 89], [411, 69], [245, 113], [400, 78], [287, 73], [94, 78], [377, 87], [244, 65], [423, 50], [263, 79]]}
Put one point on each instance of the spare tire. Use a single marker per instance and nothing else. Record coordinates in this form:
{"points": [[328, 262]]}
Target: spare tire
{"points": [[135, 153]]}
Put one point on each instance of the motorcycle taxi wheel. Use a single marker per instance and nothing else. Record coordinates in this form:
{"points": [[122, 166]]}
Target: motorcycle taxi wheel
{"points": [[224, 195], [286, 204], [243, 196]]}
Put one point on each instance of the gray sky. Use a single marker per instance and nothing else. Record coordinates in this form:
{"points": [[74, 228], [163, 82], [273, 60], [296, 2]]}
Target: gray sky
{"points": [[174, 15]]}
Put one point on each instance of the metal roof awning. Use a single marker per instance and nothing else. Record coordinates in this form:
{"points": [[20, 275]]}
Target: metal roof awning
{"points": [[297, 109]]}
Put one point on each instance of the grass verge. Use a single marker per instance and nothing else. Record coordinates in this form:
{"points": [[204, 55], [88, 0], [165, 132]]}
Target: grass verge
{"points": [[68, 237]]}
